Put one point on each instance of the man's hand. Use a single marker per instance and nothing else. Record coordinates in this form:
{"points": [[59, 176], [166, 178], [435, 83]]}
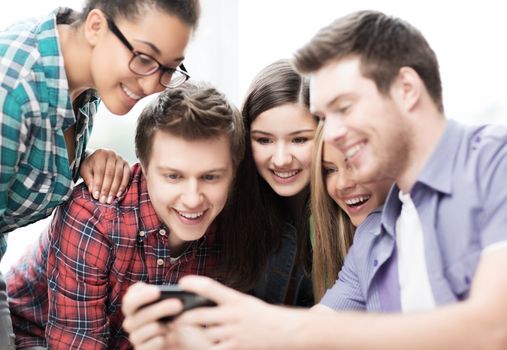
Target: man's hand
{"points": [[239, 321], [106, 174], [146, 333]]}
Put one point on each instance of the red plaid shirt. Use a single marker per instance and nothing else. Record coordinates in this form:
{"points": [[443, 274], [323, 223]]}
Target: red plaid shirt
{"points": [[79, 270]]}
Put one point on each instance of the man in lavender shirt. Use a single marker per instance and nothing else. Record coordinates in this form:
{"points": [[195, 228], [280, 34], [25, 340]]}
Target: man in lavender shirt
{"points": [[429, 268]]}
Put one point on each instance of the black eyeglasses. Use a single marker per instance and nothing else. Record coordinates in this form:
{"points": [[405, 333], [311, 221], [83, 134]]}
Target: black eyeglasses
{"points": [[145, 65]]}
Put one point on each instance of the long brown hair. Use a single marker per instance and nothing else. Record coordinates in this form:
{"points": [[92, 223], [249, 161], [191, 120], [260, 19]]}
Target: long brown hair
{"points": [[275, 85], [333, 230]]}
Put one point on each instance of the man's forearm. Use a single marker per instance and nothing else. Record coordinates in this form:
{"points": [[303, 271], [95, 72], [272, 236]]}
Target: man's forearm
{"points": [[453, 327]]}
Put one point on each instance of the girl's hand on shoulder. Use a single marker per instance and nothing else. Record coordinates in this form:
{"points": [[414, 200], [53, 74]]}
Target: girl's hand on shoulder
{"points": [[106, 174]]}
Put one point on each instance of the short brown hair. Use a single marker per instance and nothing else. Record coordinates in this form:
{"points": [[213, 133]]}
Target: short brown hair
{"points": [[384, 44], [194, 111]]}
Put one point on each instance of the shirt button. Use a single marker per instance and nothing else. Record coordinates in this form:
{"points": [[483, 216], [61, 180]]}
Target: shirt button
{"points": [[142, 233], [160, 262], [162, 232], [375, 262]]}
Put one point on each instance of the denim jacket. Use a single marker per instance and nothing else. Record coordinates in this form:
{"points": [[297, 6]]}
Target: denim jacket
{"points": [[274, 284]]}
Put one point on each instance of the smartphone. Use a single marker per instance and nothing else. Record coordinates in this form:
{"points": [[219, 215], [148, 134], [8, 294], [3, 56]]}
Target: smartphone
{"points": [[188, 299]]}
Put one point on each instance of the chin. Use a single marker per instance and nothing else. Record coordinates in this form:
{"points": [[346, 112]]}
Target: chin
{"points": [[116, 106], [121, 111]]}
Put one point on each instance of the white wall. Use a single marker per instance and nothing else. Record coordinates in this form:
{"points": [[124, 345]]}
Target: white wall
{"points": [[467, 36]]}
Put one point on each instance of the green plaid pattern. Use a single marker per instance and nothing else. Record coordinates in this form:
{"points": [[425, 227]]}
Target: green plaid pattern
{"points": [[35, 110]]}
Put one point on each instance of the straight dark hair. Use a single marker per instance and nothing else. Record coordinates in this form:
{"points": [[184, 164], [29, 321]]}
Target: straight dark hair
{"points": [[276, 85]]}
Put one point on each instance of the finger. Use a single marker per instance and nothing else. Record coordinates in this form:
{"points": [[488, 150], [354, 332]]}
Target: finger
{"points": [[87, 174], [138, 294], [97, 171], [153, 313], [146, 332], [205, 317], [157, 343], [117, 180], [187, 337], [107, 179], [210, 289], [125, 180]]}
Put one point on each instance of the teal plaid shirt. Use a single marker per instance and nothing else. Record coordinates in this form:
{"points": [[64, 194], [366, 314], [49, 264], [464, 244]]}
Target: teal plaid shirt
{"points": [[35, 110]]}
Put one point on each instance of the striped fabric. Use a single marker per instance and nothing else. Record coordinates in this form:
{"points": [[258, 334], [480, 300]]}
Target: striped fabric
{"points": [[88, 258], [35, 110]]}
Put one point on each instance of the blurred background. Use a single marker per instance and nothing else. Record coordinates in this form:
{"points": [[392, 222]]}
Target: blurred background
{"points": [[237, 38]]}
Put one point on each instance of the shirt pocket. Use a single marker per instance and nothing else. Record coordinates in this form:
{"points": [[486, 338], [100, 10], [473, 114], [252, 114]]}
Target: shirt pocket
{"points": [[460, 274], [34, 180], [33, 194]]}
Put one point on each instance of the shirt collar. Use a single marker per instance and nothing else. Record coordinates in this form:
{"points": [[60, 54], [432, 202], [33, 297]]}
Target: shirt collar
{"points": [[437, 173], [391, 209]]}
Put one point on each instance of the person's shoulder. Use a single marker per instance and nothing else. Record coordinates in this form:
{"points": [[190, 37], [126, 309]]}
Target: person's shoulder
{"points": [[484, 147], [19, 47], [372, 223], [22, 46]]}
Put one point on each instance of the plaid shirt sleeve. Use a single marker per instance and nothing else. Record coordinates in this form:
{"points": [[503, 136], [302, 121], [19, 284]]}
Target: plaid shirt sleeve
{"points": [[78, 260], [10, 142]]}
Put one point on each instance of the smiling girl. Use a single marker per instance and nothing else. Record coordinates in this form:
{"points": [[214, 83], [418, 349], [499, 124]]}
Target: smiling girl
{"points": [[339, 205], [275, 176]]}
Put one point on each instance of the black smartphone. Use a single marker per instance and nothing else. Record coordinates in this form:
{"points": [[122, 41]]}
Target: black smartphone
{"points": [[188, 299]]}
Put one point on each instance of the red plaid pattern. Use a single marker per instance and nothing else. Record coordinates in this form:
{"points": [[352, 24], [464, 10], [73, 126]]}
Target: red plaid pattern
{"points": [[66, 292]]}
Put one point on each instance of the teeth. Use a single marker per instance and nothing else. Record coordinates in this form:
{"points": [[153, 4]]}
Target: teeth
{"points": [[353, 150], [286, 174], [130, 93], [357, 200], [191, 216]]}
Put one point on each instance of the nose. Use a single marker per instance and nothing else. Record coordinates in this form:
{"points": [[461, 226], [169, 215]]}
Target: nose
{"points": [[344, 181], [282, 156], [151, 83], [334, 131], [192, 196]]}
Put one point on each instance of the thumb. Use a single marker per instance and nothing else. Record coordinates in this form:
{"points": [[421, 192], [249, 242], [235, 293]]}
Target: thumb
{"points": [[209, 288]]}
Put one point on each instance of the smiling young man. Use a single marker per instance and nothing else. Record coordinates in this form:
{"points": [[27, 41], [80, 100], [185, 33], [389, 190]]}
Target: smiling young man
{"points": [[189, 142], [429, 272]]}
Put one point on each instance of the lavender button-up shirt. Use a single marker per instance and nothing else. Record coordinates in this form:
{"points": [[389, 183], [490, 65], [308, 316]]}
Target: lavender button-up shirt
{"points": [[461, 198]]}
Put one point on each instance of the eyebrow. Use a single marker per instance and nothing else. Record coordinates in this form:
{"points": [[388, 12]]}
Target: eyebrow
{"points": [[157, 50], [215, 170], [324, 162], [290, 134]]}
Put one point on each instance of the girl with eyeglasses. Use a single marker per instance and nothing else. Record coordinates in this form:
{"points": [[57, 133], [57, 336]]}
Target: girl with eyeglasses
{"points": [[53, 73]]}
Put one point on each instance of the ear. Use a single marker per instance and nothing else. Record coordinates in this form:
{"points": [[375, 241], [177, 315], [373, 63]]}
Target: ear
{"points": [[95, 26], [407, 88]]}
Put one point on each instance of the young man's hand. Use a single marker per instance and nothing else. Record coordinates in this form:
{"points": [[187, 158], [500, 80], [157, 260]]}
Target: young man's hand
{"points": [[240, 321], [106, 174], [146, 333]]}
